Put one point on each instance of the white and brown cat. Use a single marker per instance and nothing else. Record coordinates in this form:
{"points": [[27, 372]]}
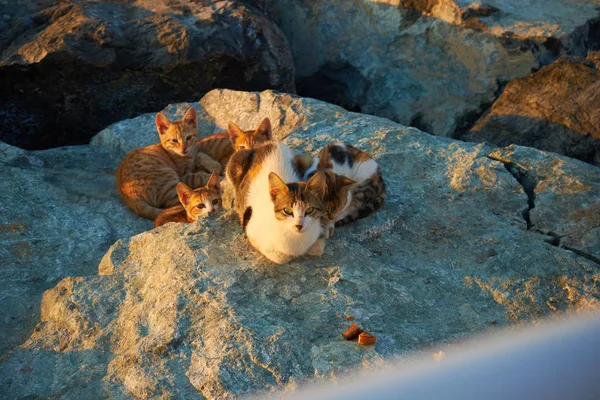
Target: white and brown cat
{"points": [[194, 203], [355, 186], [147, 177], [280, 215]]}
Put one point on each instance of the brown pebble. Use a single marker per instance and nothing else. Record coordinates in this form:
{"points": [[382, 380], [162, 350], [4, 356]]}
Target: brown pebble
{"points": [[352, 332], [349, 318], [366, 338]]}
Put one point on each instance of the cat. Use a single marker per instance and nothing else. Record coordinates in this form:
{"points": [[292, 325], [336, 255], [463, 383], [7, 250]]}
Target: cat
{"points": [[147, 177], [222, 145], [355, 186], [194, 203], [280, 215]]}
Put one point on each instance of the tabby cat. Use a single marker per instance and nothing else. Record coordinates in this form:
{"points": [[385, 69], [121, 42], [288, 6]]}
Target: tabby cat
{"points": [[221, 146], [280, 215], [195, 203], [147, 177], [355, 189]]}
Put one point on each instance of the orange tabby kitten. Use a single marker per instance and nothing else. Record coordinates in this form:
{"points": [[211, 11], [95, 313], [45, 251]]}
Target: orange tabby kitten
{"points": [[221, 146], [146, 178], [195, 203]]}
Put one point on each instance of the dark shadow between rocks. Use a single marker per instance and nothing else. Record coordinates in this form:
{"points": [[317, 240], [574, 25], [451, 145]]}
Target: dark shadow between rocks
{"points": [[342, 85], [504, 130], [113, 61]]}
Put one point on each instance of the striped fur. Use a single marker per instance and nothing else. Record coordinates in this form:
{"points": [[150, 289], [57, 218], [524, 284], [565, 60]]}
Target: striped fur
{"points": [[221, 146], [367, 194], [195, 203], [147, 177]]}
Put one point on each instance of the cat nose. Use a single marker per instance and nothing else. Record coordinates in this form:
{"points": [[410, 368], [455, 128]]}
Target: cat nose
{"points": [[299, 227]]}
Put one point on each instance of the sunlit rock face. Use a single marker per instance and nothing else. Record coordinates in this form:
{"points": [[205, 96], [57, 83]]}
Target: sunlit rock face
{"points": [[69, 69], [470, 238], [556, 109], [433, 64]]}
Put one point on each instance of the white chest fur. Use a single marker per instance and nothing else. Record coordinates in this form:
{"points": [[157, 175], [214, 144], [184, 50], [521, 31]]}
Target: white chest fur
{"points": [[272, 237]]}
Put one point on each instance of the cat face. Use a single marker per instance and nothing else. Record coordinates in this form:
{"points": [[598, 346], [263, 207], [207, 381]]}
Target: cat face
{"points": [[338, 195], [297, 205], [179, 136], [242, 140], [202, 201]]}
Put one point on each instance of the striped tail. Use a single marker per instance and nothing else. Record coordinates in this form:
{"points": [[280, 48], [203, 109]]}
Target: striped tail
{"points": [[367, 198], [143, 209], [172, 214]]}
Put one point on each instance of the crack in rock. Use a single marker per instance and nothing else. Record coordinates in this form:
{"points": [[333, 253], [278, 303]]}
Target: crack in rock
{"points": [[555, 240], [527, 181]]}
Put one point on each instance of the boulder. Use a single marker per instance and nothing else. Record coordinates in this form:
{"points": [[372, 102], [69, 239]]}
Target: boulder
{"points": [[191, 309], [69, 69], [433, 64], [556, 109]]}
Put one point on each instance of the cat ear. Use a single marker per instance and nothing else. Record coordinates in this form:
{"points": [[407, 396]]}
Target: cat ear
{"points": [[185, 193], [276, 186], [162, 123], [317, 184], [264, 129], [214, 181], [190, 117], [234, 132], [346, 182]]}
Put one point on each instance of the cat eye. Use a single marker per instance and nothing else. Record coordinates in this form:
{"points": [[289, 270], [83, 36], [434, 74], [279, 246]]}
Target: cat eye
{"points": [[309, 210], [188, 138], [215, 201], [288, 211], [242, 147], [201, 205], [175, 141]]}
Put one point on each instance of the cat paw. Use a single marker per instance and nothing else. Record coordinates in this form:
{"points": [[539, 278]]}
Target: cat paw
{"points": [[328, 232], [317, 248]]}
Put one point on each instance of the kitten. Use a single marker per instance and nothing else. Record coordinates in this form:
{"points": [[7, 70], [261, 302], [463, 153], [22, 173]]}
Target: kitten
{"points": [[195, 203], [222, 145], [280, 215], [147, 177], [358, 179]]}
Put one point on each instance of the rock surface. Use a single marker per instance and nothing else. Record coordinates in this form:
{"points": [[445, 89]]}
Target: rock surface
{"points": [[433, 64], [70, 68], [380, 59], [556, 109], [189, 309]]}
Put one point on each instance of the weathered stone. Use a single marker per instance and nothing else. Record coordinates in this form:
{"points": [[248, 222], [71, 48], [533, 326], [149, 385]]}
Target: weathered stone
{"points": [[60, 212], [564, 197], [556, 109], [557, 26], [433, 64], [379, 59], [70, 68], [189, 309]]}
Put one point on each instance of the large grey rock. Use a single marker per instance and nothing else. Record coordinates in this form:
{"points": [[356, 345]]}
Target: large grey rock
{"points": [[70, 68], [190, 310], [377, 58], [556, 109], [433, 64], [60, 212]]}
